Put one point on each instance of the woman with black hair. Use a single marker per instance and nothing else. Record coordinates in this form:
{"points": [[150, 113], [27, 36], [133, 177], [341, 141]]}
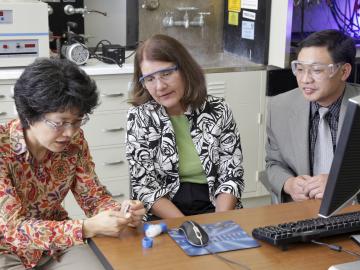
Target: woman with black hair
{"points": [[43, 156]]}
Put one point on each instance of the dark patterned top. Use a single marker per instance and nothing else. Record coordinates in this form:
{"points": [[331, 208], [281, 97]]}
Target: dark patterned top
{"points": [[153, 158]]}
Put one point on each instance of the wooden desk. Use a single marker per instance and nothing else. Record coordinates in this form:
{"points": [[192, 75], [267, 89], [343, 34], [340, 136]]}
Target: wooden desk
{"points": [[127, 253]]}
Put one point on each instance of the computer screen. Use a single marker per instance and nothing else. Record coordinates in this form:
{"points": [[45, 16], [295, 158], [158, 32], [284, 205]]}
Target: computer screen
{"points": [[343, 183]]}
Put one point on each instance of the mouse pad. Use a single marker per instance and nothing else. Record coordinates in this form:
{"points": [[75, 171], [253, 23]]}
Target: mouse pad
{"points": [[223, 236]]}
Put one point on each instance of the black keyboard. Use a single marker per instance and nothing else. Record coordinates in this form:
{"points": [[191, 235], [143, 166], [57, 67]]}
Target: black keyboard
{"points": [[308, 229]]}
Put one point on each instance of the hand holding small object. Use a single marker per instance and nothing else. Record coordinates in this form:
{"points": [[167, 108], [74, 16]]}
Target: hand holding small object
{"points": [[125, 209]]}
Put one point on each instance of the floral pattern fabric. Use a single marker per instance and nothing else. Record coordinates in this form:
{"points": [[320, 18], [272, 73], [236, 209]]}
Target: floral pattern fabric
{"points": [[32, 219], [153, 159]]}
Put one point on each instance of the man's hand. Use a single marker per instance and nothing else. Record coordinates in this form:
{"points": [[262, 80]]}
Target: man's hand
{"points": [[316, 185], [296, 187]]}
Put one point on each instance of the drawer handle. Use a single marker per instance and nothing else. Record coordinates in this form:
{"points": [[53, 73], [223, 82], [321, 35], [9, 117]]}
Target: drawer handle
{"points": [[113, 95], [113, 163], [113, 129], [216, 87], [2, 96], [121, 195], [216, 84], [2, 113]]}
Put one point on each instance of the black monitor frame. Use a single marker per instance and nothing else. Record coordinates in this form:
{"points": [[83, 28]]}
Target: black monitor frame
{"points": [[343, 183]]}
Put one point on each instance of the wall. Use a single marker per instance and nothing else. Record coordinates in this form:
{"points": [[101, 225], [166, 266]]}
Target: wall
{"points": [[200, 41], [280, 32], [112, 27]]}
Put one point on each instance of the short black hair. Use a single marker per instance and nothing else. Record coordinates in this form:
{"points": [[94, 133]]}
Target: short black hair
{"points": [[340, 46], [53, 85]]}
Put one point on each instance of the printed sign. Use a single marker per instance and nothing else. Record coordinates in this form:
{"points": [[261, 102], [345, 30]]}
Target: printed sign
{"points": [[248, 30], [233, 18], [234, 5], [250, 4], [249, 15]]}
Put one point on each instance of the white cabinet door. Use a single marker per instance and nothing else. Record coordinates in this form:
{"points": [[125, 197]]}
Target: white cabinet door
{"points": [[245, 93]]}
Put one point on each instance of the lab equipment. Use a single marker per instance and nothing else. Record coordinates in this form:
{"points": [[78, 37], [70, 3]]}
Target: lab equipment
{"points": [[24, 33]]}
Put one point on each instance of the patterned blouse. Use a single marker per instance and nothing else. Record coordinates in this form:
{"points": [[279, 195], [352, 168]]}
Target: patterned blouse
{"points": [[32, 219], [153, 158]]}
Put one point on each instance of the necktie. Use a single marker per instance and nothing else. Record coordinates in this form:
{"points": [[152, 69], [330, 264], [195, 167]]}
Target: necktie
{"points": [[323, 152]]}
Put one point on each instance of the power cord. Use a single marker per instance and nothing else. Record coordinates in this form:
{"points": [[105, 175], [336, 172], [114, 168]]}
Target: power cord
{"points": [[336, 248], [100, 58], [131, 54], [228, 261]]}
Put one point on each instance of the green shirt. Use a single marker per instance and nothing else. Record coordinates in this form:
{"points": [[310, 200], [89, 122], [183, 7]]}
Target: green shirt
{"points": [[190, 167]]}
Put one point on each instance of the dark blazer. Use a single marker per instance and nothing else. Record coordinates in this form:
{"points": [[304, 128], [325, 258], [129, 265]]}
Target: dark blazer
{"points": [[153, 158], [287, 145]]}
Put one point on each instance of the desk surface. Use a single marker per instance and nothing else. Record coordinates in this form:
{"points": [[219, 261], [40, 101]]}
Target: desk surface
{"points": [[127, 253]]}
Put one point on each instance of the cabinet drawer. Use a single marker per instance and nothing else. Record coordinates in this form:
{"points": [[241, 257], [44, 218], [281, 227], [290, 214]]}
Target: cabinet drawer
{"points": [[7, 110], [113, 94], [106, 129], [110, 162], [6, 92], [118, 187]]}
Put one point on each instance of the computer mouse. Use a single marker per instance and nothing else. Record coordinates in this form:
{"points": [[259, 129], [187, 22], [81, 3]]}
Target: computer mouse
{"points": [[194, 233]]}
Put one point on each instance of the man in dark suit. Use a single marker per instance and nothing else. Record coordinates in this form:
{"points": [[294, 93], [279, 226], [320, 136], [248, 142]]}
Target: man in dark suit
{"points": [[323, 65]]}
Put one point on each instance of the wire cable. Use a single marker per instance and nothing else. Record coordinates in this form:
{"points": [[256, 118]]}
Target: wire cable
{"points": [[100, 57], [346, 16], [131, 54], [336, 248], [228, 261]]}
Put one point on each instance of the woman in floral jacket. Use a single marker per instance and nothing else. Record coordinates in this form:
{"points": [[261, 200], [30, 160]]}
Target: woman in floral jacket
{"points": [[43, 156], [182, 145]]}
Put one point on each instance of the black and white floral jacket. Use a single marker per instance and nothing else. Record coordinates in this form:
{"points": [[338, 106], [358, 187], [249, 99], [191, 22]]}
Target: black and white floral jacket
{"points": [[153, 158]]}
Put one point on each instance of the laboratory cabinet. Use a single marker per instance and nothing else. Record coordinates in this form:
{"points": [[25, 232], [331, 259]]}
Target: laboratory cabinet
{"points": [[245, 93], [7, 105], [105, 132]]}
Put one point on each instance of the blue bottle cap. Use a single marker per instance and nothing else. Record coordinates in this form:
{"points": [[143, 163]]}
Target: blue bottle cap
{"points": [[146, 226], [163, 227], [147, 242]]}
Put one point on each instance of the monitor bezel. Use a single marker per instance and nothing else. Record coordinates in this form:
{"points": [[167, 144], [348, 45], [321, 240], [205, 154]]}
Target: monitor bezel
{"points": [[335, 184]]}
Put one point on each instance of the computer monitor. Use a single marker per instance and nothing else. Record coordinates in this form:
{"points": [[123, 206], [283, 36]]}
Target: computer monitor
{"points": [[343, 183]]}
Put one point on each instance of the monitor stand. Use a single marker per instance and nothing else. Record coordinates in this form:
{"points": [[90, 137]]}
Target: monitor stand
{"points": [[346, 266]]}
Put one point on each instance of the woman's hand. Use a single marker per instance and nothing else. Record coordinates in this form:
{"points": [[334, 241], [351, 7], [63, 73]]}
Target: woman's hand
{"points": [[109, 223], [137, 212], [225, 202]]}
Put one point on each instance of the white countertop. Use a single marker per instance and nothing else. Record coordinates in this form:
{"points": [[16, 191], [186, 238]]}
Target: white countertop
{"points": [[92, 67]]}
